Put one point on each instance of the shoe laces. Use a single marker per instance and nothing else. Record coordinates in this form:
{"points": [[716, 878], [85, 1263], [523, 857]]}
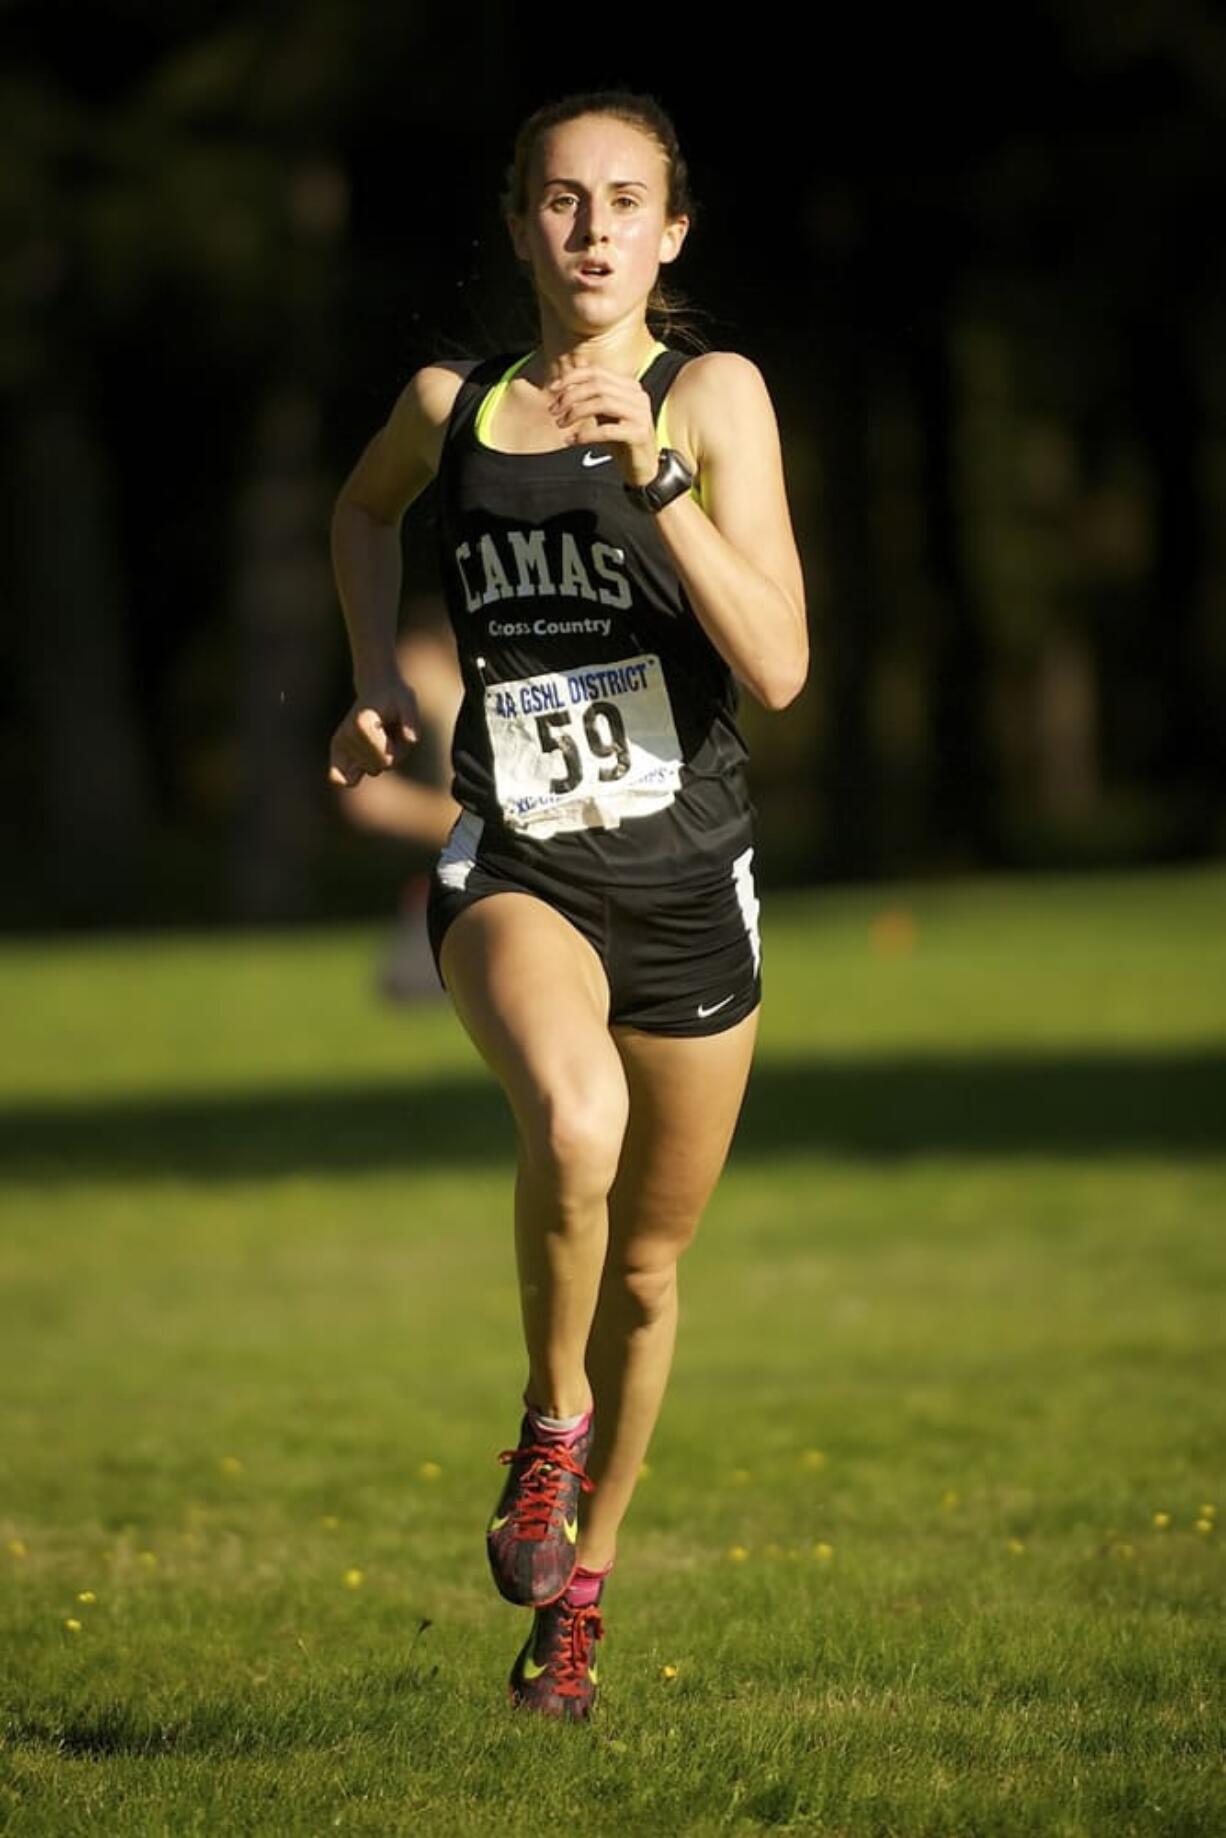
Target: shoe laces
{"points": [[580, 1629], [541, 1482]]}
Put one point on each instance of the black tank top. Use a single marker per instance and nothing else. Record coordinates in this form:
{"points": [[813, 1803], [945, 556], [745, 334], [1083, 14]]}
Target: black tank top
{"points": [[598, 734]]}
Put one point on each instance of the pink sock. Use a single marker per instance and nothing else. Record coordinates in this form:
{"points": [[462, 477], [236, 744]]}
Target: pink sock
{"points": [[558, 1429], [585, 1585]]}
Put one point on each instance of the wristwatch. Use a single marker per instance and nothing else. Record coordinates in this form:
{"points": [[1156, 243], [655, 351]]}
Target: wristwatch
{"points": [[670, 481]]}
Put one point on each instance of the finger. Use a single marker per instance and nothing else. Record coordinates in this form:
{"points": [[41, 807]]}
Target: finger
{"points": [[373, 737], [343, 773], [601, 402], [606, 430], [400, 730], [598, 387], [607, 408]]}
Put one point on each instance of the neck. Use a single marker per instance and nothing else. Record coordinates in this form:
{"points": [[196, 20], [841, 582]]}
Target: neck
{"points": [[623, 348]]}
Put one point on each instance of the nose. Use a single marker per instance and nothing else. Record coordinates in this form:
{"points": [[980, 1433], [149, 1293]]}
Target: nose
{"points": [[595, 227]]}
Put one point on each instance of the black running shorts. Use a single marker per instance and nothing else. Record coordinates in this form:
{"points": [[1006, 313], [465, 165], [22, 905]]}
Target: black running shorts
{"points": [[680, 959]]}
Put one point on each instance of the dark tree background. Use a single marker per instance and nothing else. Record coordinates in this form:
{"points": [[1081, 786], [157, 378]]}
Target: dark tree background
{"points": [[980, 264]]}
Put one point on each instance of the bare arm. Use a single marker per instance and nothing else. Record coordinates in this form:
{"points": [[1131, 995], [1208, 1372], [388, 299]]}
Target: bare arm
{"points": [[387, 801], [737, 559], [395, 468]]}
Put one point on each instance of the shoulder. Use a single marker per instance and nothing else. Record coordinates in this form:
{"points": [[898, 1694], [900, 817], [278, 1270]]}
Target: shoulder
{"points": [[719, 382], [417, 425], [402, 458], [430, 393], [719, 396], [720, 370]]}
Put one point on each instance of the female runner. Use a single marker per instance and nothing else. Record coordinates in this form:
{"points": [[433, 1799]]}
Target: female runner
{"points": [[616, 550]]}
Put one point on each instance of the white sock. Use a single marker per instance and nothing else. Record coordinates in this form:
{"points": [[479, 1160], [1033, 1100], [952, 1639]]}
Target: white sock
{"points": [[559, 1425]]}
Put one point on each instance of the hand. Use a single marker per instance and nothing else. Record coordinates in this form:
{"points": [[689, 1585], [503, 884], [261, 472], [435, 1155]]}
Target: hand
{"points": [[590, 404], [379, 729]]}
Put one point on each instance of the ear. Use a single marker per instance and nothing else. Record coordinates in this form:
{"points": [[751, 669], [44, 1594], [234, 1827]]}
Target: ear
{"points": [[515, 229], [673, 236]]}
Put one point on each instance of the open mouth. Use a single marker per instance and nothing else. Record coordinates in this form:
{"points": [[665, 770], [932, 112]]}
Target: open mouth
{"points": [[593, 271]]}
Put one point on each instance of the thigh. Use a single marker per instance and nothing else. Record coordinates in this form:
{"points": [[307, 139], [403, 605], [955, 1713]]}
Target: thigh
{"points": [[685, 1098], [532, 994]]}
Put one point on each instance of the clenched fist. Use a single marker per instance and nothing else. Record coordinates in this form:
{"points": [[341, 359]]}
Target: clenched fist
{"points": [[379, 729]]}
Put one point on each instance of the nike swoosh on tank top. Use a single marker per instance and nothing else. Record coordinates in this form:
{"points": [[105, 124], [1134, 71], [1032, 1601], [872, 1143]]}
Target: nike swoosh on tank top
{"points": [[598, 732]]}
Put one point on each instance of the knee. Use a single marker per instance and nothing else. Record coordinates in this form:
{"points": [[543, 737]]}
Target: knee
{"points": [[576, 1141], [648, 1281]]}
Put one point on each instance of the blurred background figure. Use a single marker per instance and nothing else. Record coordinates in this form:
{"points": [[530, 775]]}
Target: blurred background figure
{"points": [[412, 802]]}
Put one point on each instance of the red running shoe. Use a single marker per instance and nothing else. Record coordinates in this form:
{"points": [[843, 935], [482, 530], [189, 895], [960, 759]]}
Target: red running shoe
{"points": [[555, 1671], [532, 1535]]}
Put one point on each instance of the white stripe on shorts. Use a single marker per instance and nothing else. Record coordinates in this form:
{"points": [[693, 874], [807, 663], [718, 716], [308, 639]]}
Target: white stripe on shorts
{"points": [[459, 856], [747, 900]]}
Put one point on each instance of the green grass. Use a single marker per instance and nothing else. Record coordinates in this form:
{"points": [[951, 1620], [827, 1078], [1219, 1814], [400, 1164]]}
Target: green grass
{"points": [[954, 1316]]}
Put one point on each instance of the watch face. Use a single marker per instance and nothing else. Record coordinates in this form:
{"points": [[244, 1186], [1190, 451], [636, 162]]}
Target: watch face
{"points": [[673, 478]]}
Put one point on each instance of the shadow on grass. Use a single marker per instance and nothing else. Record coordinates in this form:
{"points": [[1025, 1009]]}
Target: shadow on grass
{"points": [[1071, 1105], [225, 1727]]}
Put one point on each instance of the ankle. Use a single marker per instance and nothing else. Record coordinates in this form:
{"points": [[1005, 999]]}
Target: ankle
{"points": [[595, 1566], [561, 1408]]}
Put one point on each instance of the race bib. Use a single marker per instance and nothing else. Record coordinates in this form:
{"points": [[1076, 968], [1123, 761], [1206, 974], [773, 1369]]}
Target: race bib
{"points": [[583, 749]]}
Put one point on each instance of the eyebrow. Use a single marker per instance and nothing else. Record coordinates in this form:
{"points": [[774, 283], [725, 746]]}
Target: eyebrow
{"points": [[614, 184]]}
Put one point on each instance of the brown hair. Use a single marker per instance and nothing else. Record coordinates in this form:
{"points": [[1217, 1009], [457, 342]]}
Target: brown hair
{"points": [[670, 315]]}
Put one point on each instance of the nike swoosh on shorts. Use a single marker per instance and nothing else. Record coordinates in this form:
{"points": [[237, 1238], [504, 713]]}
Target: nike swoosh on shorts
{"points": [[715, 1007], [597, 459]]}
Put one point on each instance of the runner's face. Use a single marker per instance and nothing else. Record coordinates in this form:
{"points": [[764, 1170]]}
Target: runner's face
{"points": [[597, 192]]}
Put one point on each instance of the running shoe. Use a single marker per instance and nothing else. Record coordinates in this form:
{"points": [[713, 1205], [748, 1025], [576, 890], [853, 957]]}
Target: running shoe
{"points": [[555, 1670], [532, 1535]]}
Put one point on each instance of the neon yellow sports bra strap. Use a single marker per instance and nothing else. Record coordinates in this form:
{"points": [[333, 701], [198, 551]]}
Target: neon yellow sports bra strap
{"points": [[494, 396]]}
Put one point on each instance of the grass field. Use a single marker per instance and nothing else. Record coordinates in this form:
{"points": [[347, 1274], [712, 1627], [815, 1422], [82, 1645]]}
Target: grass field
{"points": [[929, 1539]]}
